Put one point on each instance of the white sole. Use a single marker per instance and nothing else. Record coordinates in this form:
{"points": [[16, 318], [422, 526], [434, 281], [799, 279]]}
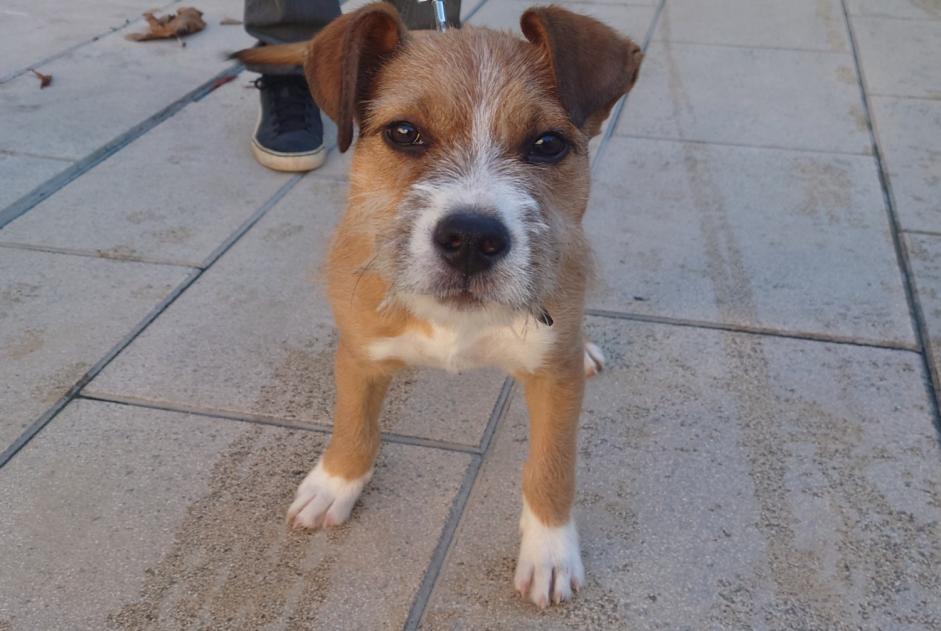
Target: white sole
{"points": [[290, 162]]}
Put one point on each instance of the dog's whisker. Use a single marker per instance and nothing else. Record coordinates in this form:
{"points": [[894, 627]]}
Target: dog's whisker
{"points": [[359, 276]]}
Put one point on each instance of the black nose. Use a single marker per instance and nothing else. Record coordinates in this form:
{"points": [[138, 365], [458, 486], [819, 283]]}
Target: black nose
{"points": [[471, 242]]}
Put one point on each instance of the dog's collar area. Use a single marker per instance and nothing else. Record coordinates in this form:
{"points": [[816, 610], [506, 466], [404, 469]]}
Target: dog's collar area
{"points": [[543, 316]]}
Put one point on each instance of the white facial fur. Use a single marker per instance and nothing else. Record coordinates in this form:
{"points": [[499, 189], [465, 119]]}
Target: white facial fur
{"points": [[483, 188], [475, 176]]}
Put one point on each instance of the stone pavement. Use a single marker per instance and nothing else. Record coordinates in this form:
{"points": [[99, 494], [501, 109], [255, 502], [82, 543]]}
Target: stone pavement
{"points": [[762, 452]]}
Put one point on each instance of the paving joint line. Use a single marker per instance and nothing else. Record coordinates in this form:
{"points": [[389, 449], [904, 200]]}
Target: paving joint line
{"points": [[752, 47], [924, 233], [45, 418], [49, 249], [916, 312], [456, 513], [38, 156], [749, 330], [65, 51], [78, 168], [270, 421], [742, 145], [619, 107], [907, 97], [858, 16]]}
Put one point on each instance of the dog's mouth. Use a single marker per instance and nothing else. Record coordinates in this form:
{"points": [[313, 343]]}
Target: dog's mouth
{"points": [[465, 292]]}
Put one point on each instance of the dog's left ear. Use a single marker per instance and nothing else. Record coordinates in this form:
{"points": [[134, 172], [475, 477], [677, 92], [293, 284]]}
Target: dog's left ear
{"points": [[593, 65]]}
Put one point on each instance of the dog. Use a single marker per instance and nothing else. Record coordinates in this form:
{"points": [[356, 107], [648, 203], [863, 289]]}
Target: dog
{"points": [[462, 244]]}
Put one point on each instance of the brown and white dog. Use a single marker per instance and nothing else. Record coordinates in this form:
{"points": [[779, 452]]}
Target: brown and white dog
{"points": [[462, 244]]}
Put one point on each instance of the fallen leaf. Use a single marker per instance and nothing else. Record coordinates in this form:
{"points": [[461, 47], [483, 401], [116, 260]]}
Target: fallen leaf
{"points": [[230, 22], [186, 21], [221, 81], [45, 80]]}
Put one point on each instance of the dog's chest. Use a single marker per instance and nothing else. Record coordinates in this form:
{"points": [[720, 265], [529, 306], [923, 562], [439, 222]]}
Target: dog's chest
{"points": [[520, 346]]}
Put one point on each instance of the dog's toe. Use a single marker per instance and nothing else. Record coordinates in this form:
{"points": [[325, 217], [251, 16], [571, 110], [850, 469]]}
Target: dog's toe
{"points": [[550, 564], [594, 359], [324, 499]]}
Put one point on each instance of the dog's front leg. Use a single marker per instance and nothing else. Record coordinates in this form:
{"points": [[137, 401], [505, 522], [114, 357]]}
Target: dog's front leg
{"points": [[328, 493], [550, 562]]}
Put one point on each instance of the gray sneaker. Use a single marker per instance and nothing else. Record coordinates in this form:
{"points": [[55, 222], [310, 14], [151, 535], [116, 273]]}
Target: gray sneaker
{"points": [[289, 134]]}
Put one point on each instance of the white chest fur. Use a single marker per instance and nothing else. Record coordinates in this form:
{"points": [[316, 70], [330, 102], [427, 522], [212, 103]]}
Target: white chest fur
{"points": [[460, 341]]}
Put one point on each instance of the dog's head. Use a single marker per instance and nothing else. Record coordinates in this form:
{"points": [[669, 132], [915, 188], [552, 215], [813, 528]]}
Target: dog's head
{"points": [[471, 168]]}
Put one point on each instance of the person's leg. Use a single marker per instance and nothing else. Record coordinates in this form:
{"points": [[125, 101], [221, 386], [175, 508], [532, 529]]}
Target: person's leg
{"points": [[289, 133], [286, 21]]}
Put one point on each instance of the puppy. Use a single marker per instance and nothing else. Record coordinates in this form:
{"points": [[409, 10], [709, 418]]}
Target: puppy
{"points": [[462, 245]]}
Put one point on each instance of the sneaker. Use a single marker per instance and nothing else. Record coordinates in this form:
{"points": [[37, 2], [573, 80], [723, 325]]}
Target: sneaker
{"points": [[289, 134]]}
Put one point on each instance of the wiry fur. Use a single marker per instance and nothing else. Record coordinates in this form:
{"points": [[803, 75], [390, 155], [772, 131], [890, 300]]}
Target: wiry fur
{"points": [[480, 99]]}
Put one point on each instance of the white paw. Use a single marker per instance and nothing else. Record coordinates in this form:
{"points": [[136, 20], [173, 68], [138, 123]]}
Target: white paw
{"points": [[594, 359], [550, 563], [324, 500]]}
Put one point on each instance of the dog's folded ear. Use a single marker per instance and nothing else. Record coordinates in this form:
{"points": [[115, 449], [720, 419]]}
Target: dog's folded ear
{"points": [[343, 59], [593, 65]]}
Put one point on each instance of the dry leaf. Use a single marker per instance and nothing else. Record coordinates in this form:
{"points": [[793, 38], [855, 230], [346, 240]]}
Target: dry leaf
{"points": [[230, 22], [186, 21], [221, 81], [45, 80]]}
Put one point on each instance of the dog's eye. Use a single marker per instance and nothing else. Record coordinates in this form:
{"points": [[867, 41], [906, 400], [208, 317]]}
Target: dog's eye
{"points": [[548, 148], [404, 134]]}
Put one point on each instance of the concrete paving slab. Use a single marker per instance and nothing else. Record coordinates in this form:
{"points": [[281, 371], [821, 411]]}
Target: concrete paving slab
{"points": [[785, 240], [779, 98], [631, 20], [59, 315], [799, 24], [909, 9], [725, 485], [122, 517], [255, 336], [909, 132], [129, 81], [174, 194], [899, 57], [21, 174], [51, 26], [925, 255]]}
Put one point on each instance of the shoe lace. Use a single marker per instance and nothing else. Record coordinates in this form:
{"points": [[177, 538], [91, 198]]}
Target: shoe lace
{"points": [[290, 101]]}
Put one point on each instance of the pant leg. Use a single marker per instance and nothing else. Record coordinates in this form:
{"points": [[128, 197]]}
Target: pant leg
{"points": [[285, 21], [421, 15]]}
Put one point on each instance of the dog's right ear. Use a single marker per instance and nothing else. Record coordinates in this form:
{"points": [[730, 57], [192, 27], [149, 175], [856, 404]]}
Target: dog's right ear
{"points": [[343, 59]]}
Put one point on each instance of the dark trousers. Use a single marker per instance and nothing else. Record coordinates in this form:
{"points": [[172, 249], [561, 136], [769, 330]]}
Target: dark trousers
{"points": [[283, 21]]}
